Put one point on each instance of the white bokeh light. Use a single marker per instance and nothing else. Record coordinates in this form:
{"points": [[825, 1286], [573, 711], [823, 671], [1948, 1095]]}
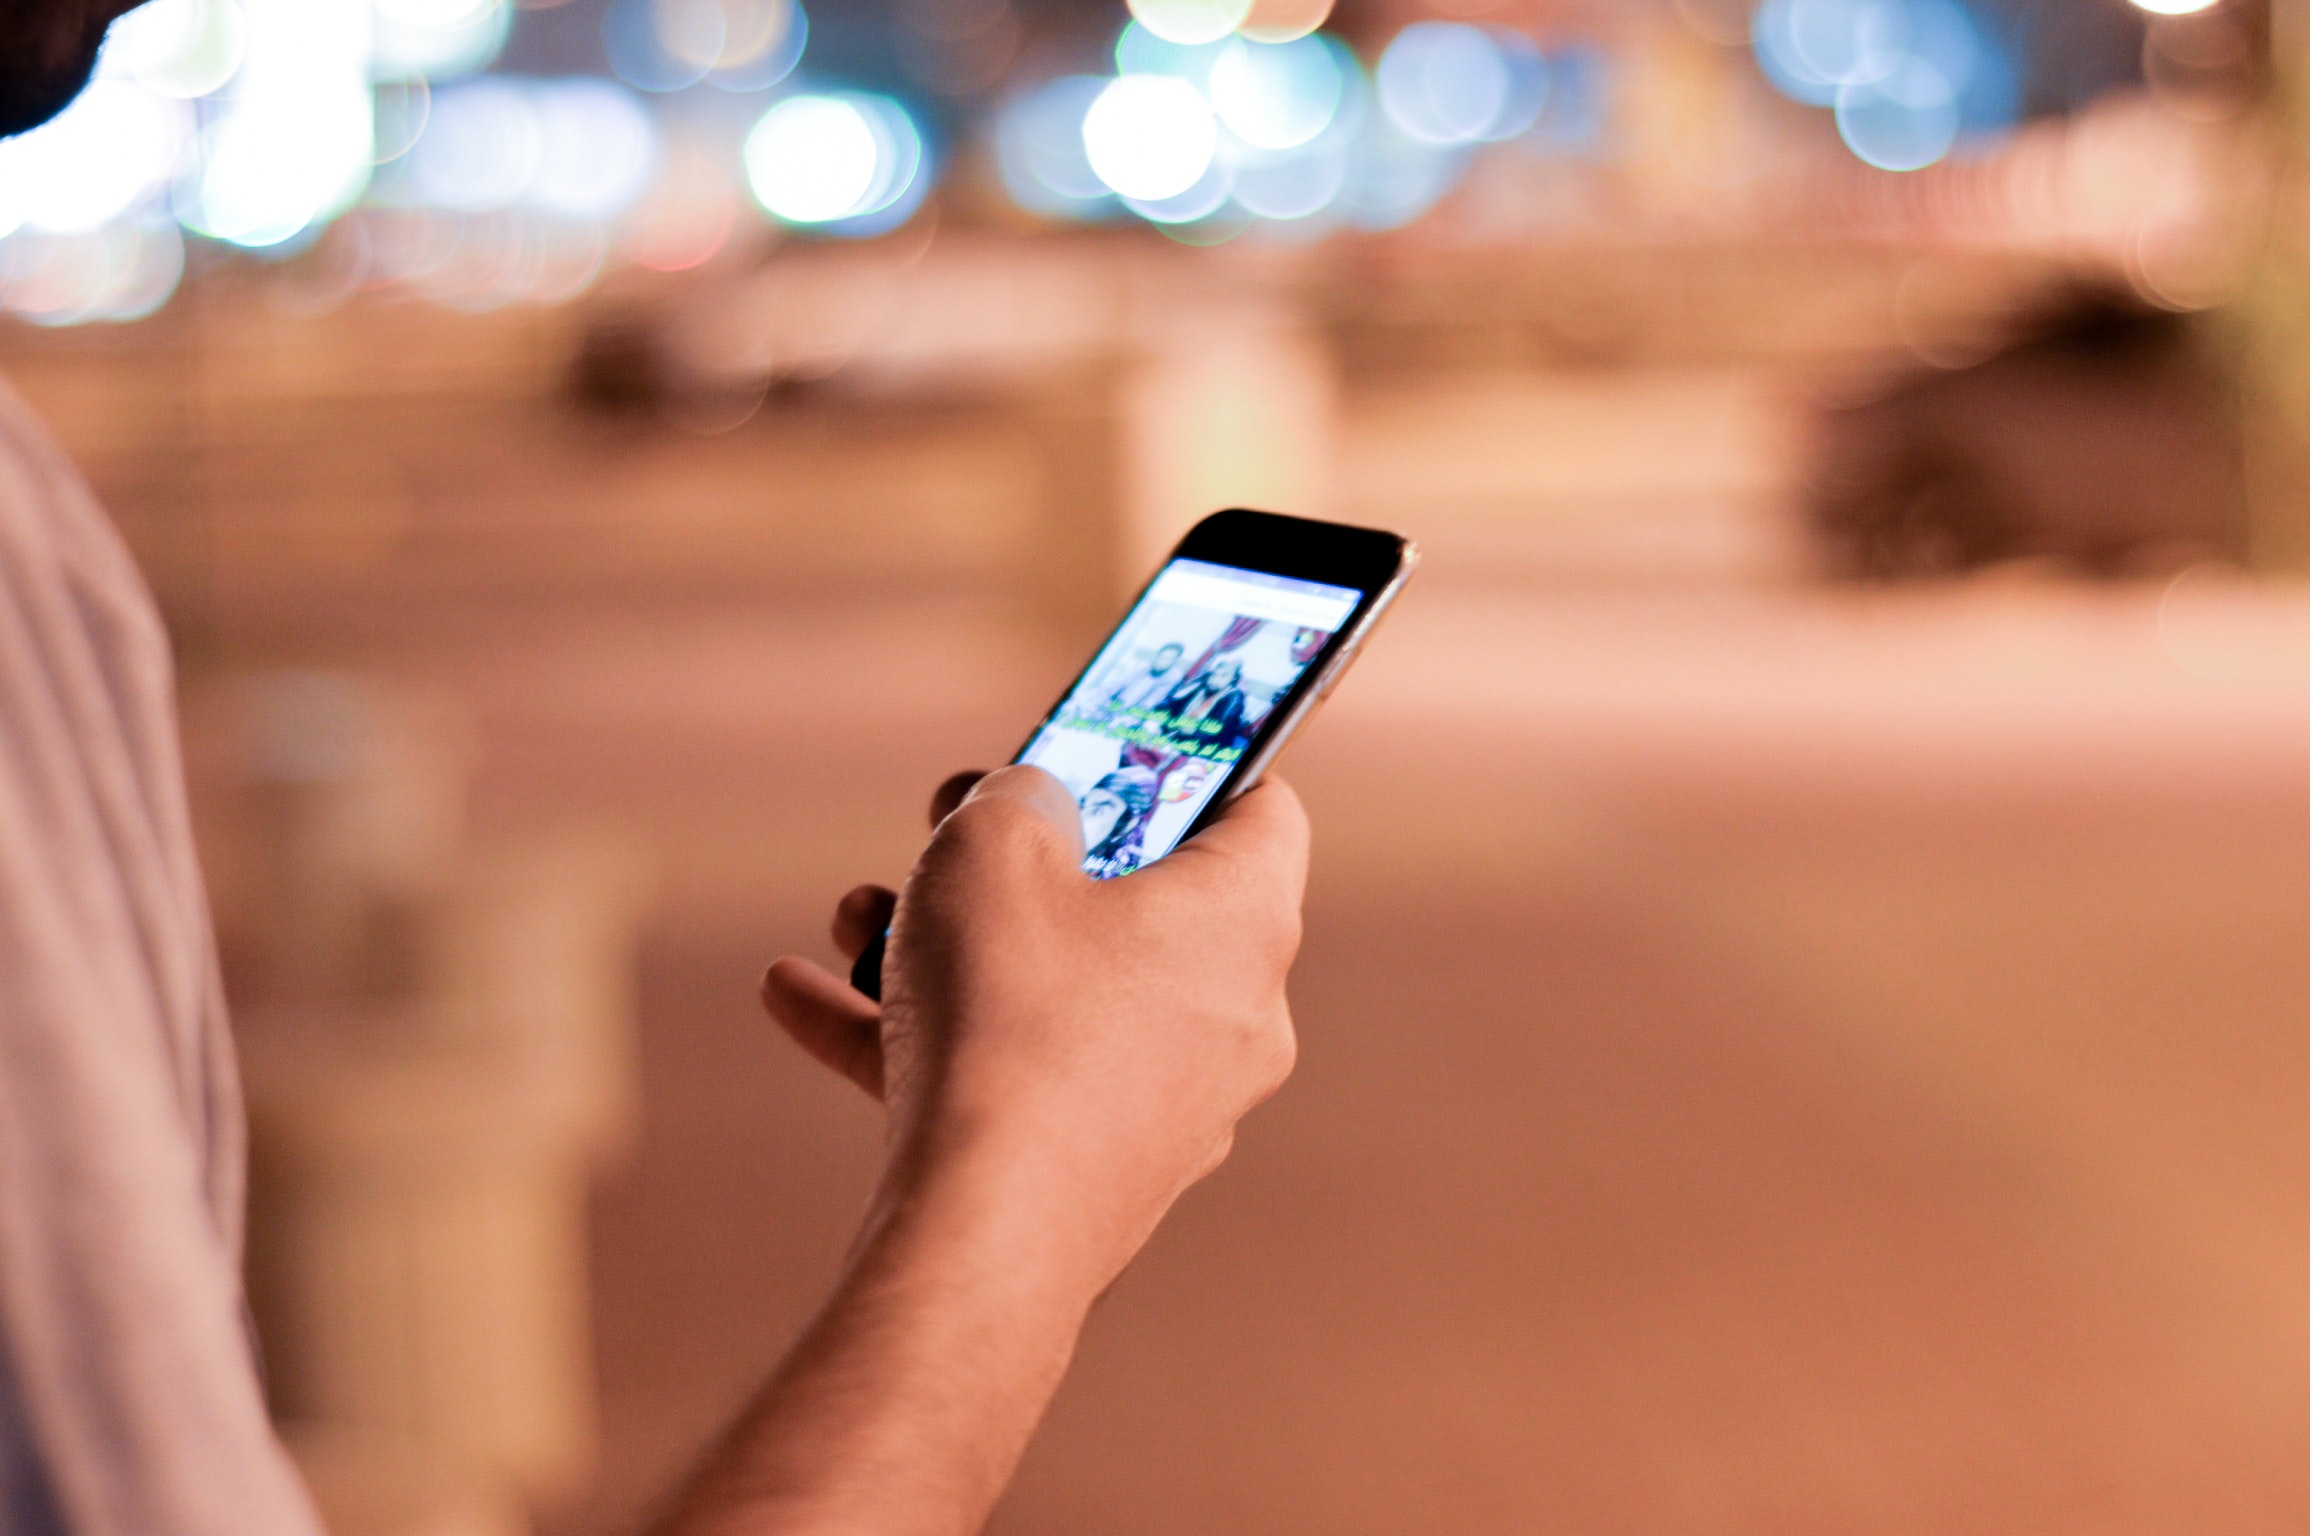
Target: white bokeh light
{"points": [[116, 144], [1150, 137], [181, 48], [1205, 196], [481, 148], [1443, 82], [1140, 52], [293, 144], [438, 39], [599, 148], [811, 158], [898, 174], [438, 15], [1190, 21], [830, 159], [1277, 95], [259, 122], [12, 191]]}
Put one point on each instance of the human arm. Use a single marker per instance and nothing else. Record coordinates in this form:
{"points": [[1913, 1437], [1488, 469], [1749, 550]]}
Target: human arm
{"points": [[129, 1399], [1060, 1058]]}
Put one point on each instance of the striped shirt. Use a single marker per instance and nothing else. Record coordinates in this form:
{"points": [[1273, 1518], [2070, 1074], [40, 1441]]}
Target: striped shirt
{"points": [[129, 1398]]}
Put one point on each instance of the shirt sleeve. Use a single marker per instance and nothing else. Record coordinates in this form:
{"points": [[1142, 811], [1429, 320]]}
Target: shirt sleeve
{"points": [[129, 1397]]}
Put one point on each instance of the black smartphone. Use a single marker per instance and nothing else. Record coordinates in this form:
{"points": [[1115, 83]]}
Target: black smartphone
{"points": [[1246, 628]]}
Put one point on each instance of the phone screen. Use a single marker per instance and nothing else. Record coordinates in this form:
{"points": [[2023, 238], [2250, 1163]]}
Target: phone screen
{"points": [[1159, 720]]}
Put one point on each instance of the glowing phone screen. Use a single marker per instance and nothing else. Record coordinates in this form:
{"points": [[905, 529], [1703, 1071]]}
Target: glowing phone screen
{"points": [[1163, 714]]}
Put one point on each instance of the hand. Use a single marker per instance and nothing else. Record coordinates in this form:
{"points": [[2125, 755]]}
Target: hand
{"points": [[1085, 1046], [1060, 1058]]}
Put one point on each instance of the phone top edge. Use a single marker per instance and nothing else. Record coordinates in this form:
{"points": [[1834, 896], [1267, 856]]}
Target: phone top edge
{"points": [[1386, 560], [1313, 687], [1344, 554]]}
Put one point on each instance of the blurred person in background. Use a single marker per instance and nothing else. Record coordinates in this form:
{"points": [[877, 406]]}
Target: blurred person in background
{"points": [[1059, 1060]]}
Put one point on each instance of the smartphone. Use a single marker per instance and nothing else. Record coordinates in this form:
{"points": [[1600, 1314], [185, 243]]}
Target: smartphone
{"points": [[1247, 626]]}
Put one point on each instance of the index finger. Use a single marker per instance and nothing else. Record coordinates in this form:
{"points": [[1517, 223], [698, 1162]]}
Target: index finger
{"points": [[951, 792]]}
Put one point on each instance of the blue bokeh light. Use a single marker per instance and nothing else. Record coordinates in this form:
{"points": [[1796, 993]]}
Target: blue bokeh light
{"points": [[1443, 82], [1907, 79], [1904, 121]]}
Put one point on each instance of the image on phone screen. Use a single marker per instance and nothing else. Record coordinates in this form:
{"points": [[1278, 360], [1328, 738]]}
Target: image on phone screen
{"points": [[1162, 716]]}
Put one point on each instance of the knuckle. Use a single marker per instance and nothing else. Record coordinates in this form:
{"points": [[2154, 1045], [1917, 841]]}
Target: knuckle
{"points": [[1265, 1050], [993, 827], [1281, 1055], [1285, 932]]}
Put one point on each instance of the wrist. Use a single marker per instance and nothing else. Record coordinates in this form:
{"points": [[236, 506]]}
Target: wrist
{"points": [[981, 1197]]}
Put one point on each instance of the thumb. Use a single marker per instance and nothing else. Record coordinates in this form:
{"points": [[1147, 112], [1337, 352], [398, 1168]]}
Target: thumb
{"points": [[1028, 792]]}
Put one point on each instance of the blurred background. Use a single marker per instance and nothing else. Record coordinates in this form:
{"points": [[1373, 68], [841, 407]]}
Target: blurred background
{"points": [[1803, 1008]]}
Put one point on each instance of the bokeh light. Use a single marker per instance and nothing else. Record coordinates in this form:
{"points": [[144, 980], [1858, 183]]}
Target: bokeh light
{"points": [[1277, 95], [2174, 7], [668, 45], [1810, 48], [1209, 139], [481, 147], [646, 45], [112, 148], [582, 148], [1280, 21], [1150, 137], [750, 30], [476, 263], [402, 109], [1200, 199], [123, 271], [1901, 122], [1039, 148], [1190, 21], [1140, 52], [1908, 79], [600, 148], [1529, 84], [294, 142], [261, 122], [179, 48], [838, 159], [762, 46], [437, 39], [1444, 82], [1394, 178], [1292, 187], [812, 159]]}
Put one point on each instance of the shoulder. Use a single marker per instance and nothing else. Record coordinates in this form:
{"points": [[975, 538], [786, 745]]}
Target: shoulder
{"points": [[62, 561]]}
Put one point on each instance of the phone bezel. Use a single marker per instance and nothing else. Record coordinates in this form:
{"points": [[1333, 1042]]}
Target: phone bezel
{"points": [[1373, 561]]}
